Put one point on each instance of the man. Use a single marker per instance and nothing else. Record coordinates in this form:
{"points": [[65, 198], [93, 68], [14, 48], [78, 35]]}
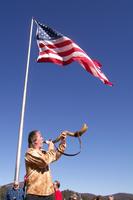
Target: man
{"points": [[58, 194], [39, 185], [111, 197], [15, 193], [99, 197], [73, 197]]}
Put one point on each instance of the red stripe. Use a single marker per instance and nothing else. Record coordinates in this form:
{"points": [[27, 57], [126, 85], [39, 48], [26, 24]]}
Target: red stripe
{"points": [[99, 73], [62, 54], [58, 45], [83, 60], [69, 52], [54, 60], [64, 47]]}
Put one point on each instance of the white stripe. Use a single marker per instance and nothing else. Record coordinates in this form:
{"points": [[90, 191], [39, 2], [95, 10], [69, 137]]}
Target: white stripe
{"points": [[64, 58], [61, 49], [66, 48], [50, 55], [95, 71]]}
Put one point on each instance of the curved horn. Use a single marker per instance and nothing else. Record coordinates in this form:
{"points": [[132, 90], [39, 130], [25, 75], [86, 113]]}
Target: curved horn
{"points": [[73, 134]]}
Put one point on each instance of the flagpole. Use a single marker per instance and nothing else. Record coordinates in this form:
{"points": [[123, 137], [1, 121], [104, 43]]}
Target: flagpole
{"points": [[17, 167]]}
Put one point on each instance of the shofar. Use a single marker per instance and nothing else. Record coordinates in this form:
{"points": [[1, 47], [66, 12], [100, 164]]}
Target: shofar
{"points": [[73, 134]]}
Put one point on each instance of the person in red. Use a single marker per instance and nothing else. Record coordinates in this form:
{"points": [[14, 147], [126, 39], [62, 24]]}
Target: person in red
{"points": [[58, 193]]}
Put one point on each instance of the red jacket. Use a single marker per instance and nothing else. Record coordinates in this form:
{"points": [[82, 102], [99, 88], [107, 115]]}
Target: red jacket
{"points": [[58, 195]]}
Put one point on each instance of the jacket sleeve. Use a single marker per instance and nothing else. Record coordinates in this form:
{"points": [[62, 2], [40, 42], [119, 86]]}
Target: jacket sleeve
{"points": [[60, 150], [40, 159]]}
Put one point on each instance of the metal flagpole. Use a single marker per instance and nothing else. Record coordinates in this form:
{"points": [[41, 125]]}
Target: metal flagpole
{"points": [[17, 167]]}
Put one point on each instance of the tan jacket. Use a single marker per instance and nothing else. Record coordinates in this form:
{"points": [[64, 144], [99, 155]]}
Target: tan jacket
{"points": [[39, 181]]}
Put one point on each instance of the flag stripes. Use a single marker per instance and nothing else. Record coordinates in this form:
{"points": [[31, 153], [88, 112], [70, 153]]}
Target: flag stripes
{"points": [[62, 50]]}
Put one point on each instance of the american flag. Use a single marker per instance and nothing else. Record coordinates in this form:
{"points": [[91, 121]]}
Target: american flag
{"points": [[57, 48]]}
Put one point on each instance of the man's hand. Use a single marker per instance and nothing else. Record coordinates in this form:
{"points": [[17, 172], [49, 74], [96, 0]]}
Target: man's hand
{"points": [[50, 145], [63, 137]]}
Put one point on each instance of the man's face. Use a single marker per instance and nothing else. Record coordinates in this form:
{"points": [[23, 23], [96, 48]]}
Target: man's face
{"points": [[55, 185], [39, 139], [16, 186]]}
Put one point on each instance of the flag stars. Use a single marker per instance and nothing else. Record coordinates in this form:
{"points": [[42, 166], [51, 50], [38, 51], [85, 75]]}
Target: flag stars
{"points": [[45, 32]]}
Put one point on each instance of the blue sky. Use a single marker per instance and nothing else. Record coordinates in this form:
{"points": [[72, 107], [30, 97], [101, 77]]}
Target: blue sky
{"points": [[64, 98]]}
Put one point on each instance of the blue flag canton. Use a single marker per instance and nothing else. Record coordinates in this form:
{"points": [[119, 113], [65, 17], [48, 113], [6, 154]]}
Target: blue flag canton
{"points": [[46, 33]]}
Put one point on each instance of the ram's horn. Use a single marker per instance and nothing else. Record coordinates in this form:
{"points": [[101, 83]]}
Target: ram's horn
{"points": [[73, 134]]}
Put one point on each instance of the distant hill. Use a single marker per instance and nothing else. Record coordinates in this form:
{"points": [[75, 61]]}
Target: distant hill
{"points": [[67, 193], [89, 196]]}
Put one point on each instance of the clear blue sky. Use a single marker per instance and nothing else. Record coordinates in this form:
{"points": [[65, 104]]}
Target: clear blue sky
{"points": [[64, 98]]}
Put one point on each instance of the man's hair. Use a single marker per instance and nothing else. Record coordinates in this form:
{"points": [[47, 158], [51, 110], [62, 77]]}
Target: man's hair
{"points": [[99, 197], [32, 138], [57, 183]]}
